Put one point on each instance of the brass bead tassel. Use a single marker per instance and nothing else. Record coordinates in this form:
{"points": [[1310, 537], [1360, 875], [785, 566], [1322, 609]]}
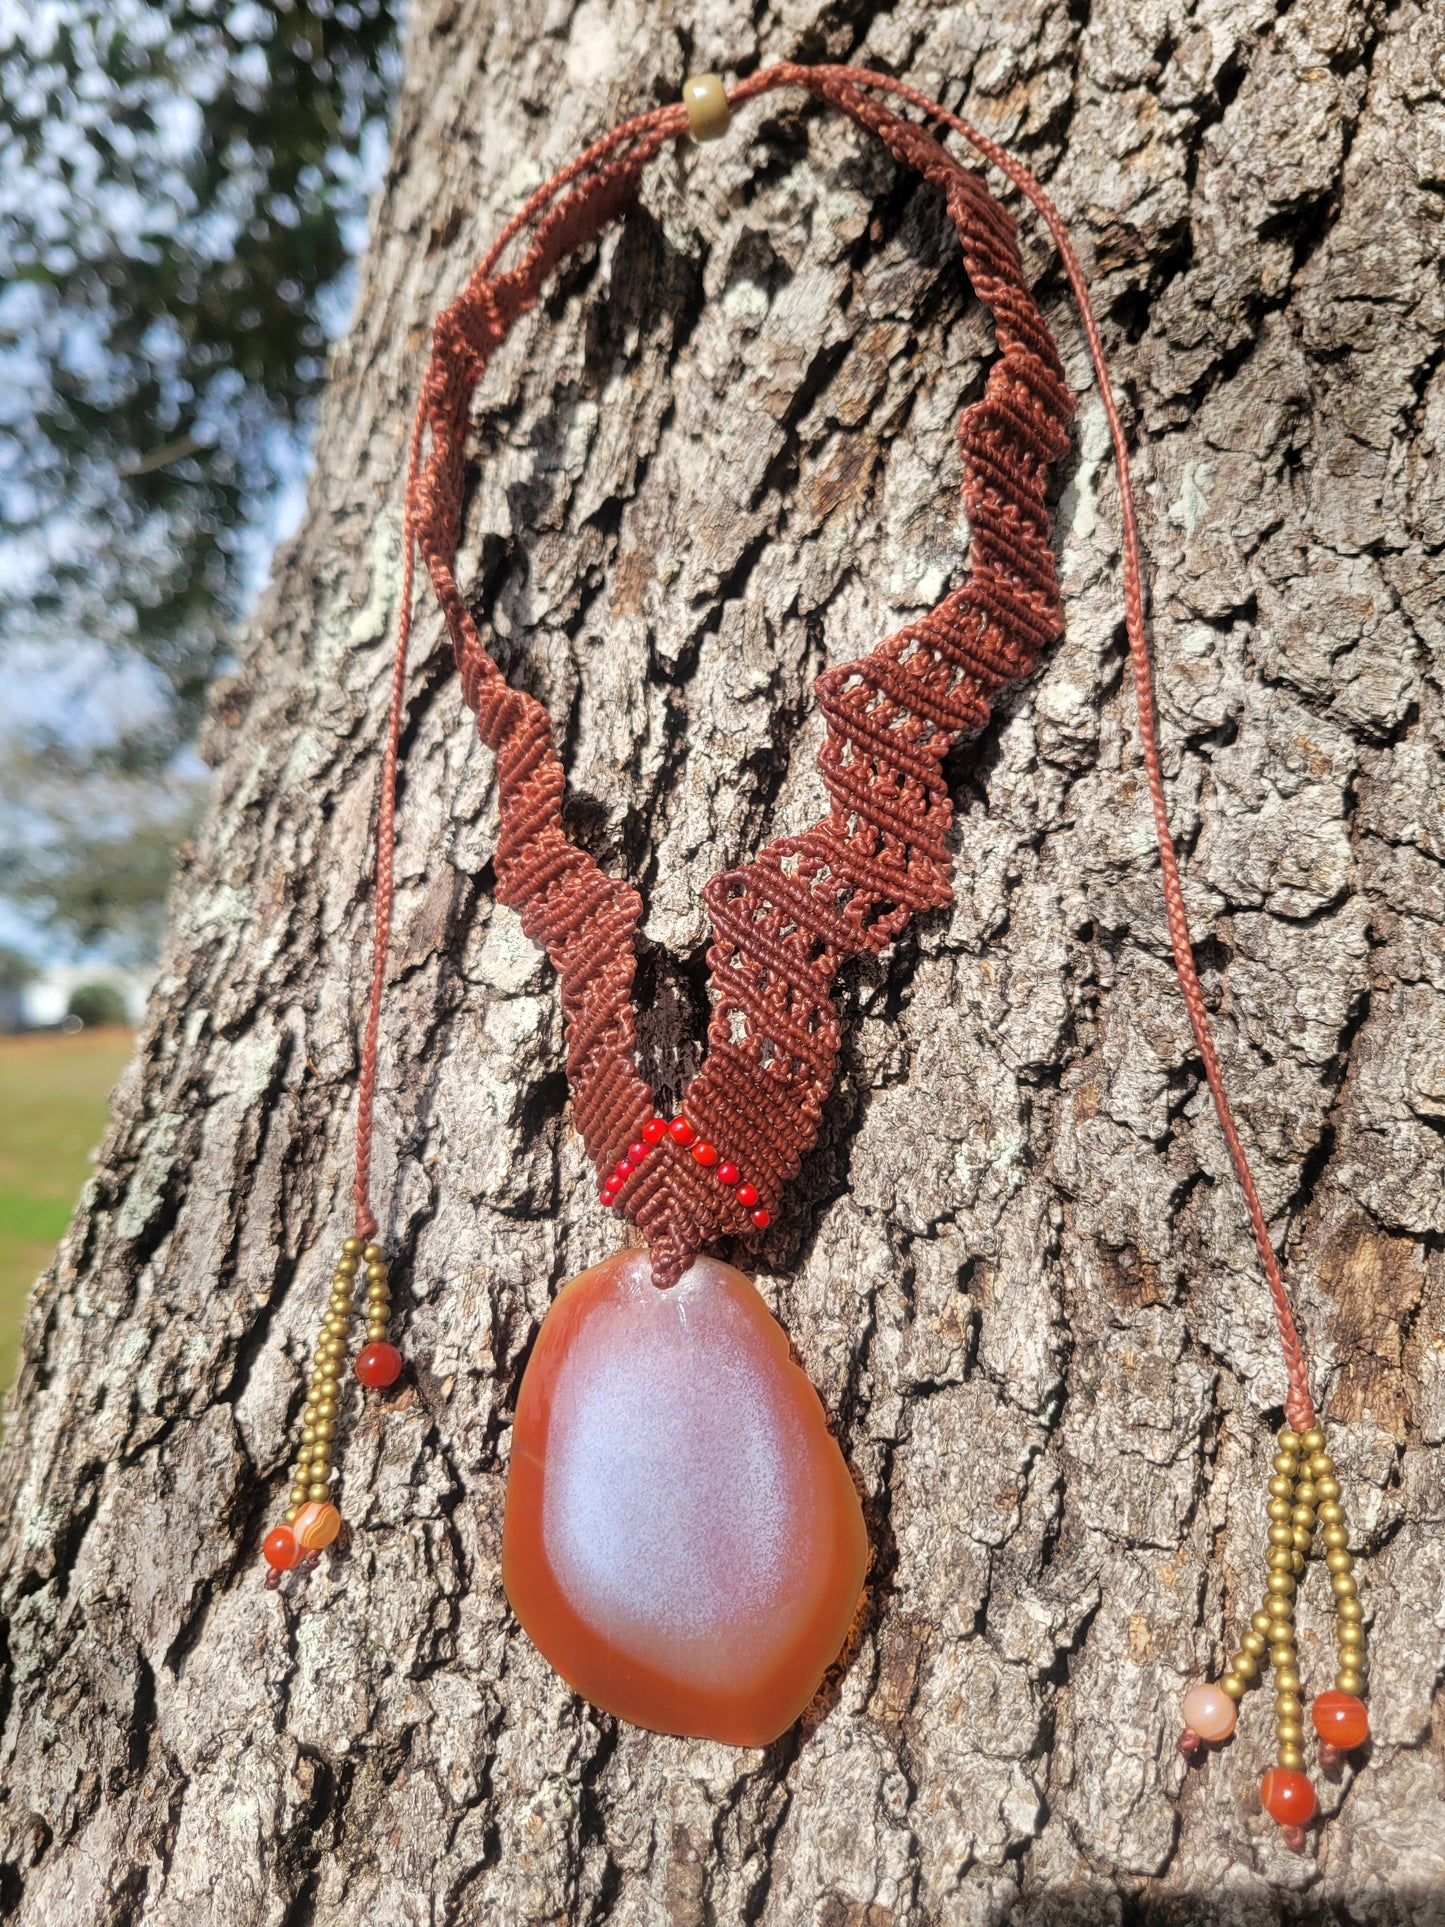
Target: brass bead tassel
{"points": [[311, 1520]]}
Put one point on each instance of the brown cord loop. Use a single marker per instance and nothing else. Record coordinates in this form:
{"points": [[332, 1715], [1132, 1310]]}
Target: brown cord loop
{"points": [[784, 923]]}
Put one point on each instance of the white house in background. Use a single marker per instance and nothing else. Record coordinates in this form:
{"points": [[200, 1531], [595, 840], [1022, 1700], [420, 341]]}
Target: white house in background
{"points": [[45, 1001]]}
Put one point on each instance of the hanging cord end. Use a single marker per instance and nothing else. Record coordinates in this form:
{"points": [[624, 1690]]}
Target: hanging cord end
{"points": [[708, 114], [311, 1520], [1304, 1495]]}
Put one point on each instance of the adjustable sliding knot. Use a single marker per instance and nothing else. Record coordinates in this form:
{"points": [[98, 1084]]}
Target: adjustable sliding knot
{"points": [[708, 114]]}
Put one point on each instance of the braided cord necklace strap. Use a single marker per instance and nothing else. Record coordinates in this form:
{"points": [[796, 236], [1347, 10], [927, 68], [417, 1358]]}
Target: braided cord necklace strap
{"points": [[784, 923]]}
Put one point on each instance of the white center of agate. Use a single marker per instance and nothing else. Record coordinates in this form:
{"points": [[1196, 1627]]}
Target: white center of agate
{"points": [[677, 1508]]}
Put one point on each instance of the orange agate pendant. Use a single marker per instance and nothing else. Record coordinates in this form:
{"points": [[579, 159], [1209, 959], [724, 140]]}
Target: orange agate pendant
{"points": [[682, 1540]]}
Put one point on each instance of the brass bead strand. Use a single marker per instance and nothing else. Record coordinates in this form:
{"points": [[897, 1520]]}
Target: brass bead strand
{"points": [[1291, 1529], [1334, 1536], [378, 1294]]}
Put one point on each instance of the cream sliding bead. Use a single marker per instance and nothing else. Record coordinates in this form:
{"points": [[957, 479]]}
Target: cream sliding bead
{"points": [[708, 113]]}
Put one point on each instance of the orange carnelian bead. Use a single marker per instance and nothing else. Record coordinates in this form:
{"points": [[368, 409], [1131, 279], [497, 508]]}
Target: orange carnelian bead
{"points": [[1341, 1719], [1287, 1796], [1209, 1712], [682, 1539], [281, 1550], [379, 1365], [316, 1525]]}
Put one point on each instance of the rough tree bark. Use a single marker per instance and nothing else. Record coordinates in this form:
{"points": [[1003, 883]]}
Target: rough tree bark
{"points": [[1016, 1268]]}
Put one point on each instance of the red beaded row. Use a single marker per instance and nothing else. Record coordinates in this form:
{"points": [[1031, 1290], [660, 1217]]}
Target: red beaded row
{"points": [[703, 1153]]}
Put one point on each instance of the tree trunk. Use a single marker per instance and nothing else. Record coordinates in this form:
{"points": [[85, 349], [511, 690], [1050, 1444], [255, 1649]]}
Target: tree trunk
{"points": [[1017, 1266]]}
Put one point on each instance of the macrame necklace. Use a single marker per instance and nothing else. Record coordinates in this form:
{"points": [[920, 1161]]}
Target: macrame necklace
{"points": [[682, 1539]]}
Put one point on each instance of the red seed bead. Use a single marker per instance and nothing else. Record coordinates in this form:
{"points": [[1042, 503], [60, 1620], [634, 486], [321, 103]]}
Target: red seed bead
{"points": [[1340, 1719], [705, 1153], [682, 1131], [747, 1196], [1287, 1796], [762, 1219], [654, 1130], [637, 1152], [727, 1173], [623, 1170], [281, 1550], [379, 1365]]}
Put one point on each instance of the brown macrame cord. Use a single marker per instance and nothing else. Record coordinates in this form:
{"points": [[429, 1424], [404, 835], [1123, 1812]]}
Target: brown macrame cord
{"points": [[784, 923]]}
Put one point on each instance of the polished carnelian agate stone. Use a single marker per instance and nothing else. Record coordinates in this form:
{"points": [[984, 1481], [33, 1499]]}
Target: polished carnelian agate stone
{"points": [[682, 1540]]}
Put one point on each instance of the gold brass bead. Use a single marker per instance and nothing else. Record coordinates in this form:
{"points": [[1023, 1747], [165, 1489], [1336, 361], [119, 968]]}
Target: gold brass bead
{"points": [[1349, 1611], [308, 1434], [1335, 1536], [326, 1428], [1348, 1637], [1331, 1514], [1305, 1493], [1281, 1488], [1303, 1515], [351, 1247], [1232, 1686], [1287, 1680], [1262, 1623], [1297, 1563], [373, 1254], [1287, 1706], [346, 1267], [1349, 1680], [1327, 1488], [1286, 1464], [376, 1274], [288, 1517], [1279, 1559], [1338, 1560], [1288, 1732], [1342, 1585], [1281, 1655], [1278, 1509], [376, 1331], [1313, 1440], [1253, 1643], [1279, 1606], [318, 1491], [1244, 1666], [1288, 1440], [1280, 1534], [1321, 1465], [1301, 1536], [298, 1493], [1290, 1757]]}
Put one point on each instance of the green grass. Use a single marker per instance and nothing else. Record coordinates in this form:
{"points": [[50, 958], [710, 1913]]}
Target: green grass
{"points": [[53, 1093]]}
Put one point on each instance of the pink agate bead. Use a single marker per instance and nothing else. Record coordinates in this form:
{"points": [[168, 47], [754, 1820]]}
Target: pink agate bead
{"points": [[1210, 1713]]}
